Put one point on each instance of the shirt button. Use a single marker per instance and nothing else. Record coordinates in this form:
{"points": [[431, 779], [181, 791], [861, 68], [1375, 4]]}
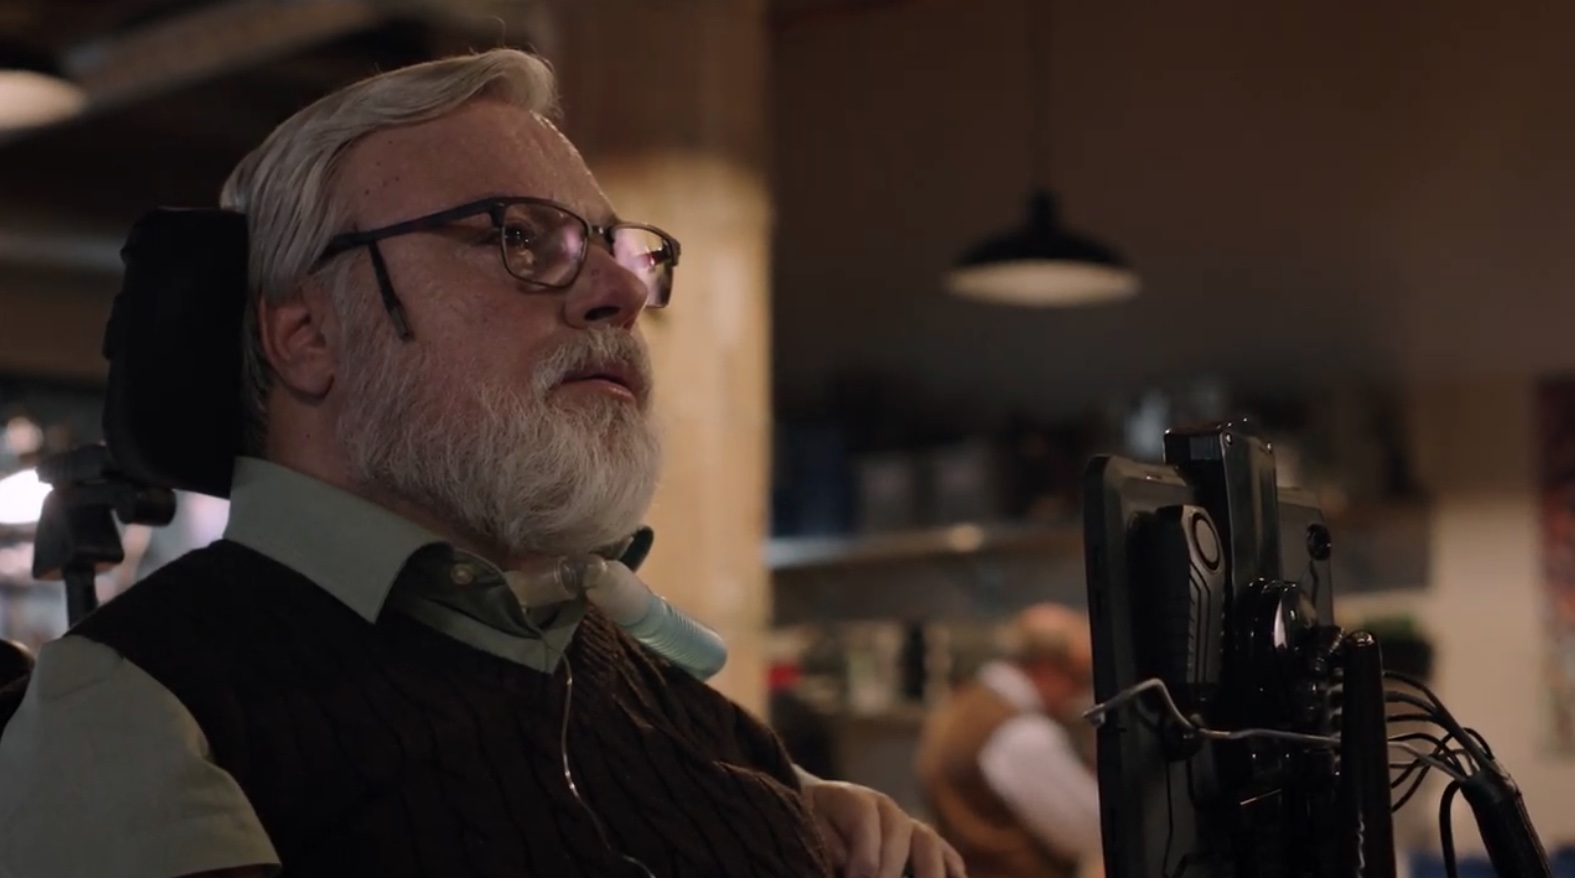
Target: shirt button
{"points": [[462, 574]]}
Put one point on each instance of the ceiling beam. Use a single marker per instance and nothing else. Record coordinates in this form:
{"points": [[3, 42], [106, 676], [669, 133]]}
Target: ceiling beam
{"points": [[206, 42], [77, 251], [129, 69]]}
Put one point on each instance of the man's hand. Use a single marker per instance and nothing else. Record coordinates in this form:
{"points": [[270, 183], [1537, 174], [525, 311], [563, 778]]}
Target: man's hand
{"points": [[868, 836]]}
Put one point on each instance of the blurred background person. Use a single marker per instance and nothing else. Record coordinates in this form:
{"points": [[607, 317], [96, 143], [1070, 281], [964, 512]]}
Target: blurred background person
{"points": [[999, 766]]}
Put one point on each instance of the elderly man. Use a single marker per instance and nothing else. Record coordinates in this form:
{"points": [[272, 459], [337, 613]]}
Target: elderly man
{"points": [[446, 383], [1003, 777]]}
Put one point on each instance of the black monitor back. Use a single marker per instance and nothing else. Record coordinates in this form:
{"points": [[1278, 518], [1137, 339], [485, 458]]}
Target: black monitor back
{"points": [[1165, 566]]}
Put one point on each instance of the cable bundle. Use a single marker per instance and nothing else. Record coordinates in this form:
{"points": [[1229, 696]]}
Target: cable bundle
{"points": [[1459, 753], [1465, 758]]}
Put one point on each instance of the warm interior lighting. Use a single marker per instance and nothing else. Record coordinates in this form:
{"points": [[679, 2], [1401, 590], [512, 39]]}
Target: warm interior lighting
{"points": [[1042, 265], [29, 99], [33, 89], [22, 436], [22, 498]]}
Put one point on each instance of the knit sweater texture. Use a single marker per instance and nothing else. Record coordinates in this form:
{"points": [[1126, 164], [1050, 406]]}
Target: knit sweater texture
{"points": [[391, 749]]}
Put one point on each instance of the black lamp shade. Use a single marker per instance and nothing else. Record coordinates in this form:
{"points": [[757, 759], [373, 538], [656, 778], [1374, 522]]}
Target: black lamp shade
{"points": [[1042, 264]]}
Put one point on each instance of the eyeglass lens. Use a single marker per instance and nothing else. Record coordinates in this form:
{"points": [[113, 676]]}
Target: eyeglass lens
{"points": [[544, 244]]}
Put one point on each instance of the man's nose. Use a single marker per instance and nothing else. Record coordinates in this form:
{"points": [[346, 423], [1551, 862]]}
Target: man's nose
{"points": [[605, 293]]}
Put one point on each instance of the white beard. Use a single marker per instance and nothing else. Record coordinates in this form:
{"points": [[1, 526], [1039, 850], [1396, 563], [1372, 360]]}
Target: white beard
{"points": [[527, 474]]}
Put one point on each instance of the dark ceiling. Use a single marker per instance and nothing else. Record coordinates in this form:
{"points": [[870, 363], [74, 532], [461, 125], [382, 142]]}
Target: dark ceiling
{"points": [[194, 84], [175, 140]]}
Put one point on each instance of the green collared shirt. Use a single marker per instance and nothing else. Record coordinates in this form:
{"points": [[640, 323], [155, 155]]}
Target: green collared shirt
{"points": [[374, 561], [99, 740]]}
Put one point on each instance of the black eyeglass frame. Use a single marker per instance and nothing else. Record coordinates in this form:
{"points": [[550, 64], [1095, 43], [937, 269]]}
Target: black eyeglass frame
{"points": [[495, 208]]}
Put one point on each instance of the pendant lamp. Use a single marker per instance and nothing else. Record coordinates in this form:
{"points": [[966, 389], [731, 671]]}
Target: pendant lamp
{"points": [[34, 91], [1041, 263]]}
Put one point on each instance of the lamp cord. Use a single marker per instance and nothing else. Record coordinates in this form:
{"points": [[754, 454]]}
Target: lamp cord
{"points": [[1037, 30]]}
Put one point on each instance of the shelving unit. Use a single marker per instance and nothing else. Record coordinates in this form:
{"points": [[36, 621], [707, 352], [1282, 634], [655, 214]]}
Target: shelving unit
{"points": [[804, 554], [987, 570]]}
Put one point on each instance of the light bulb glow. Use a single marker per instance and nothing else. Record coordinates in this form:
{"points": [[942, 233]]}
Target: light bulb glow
{"points": [[22, 498], [1044, 283], [29, 99]]}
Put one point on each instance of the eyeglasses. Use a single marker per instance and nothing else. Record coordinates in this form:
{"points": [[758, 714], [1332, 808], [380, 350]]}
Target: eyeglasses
{"points": [[541, 242]]}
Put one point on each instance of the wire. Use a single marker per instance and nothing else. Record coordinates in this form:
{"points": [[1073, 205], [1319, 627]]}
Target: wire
{"points": [[1441, 748], [568, 773], [1418, 685], [1473, 744], [1446, 829], [1430, 760], [1096, 715], [1407, 769], [1170, 826], [1414, 788], [1393, 696], [1471, 741], [1462, 760], [1037, 30], [1442, 758], [1434, 719], [1317, 582], [1482, 742], [1481, 753], [1411, 791], [1457, 763]]}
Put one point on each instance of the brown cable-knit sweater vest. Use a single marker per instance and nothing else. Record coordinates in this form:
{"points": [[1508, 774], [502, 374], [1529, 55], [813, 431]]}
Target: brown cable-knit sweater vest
{"points": [[967, 812], [392, 750]]}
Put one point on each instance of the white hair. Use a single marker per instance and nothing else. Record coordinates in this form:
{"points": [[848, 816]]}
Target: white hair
{"points": [[287, 186]]}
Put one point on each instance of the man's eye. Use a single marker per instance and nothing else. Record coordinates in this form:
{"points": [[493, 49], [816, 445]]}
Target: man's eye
{"points": [[518, 237]]}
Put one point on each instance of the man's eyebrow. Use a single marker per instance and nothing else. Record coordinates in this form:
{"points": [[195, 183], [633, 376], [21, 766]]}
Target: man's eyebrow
{"points": [[611, 218], [491, 195], [604, 220]]}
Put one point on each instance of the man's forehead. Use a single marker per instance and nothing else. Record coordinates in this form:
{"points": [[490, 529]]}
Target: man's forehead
{"points": [[484, 149]]}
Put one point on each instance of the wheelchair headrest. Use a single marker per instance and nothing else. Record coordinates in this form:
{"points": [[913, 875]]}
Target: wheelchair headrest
{"points": [[16, 661], [172, 410]]}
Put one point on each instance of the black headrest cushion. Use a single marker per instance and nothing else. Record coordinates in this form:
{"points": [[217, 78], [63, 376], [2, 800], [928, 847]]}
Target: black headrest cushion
{"points": [[16, 661], [172, 410]]}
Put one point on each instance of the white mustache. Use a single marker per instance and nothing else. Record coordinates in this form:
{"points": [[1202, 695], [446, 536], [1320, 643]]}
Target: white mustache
{"points": [[602, 347]]}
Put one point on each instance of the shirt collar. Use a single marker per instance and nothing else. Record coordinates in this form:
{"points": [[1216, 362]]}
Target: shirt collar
{"points": [[351, 547], [370, 558], [1008, 681]]}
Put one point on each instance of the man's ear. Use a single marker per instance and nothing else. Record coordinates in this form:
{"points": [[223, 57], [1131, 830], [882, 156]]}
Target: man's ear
{"points": [[295, 335]]}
